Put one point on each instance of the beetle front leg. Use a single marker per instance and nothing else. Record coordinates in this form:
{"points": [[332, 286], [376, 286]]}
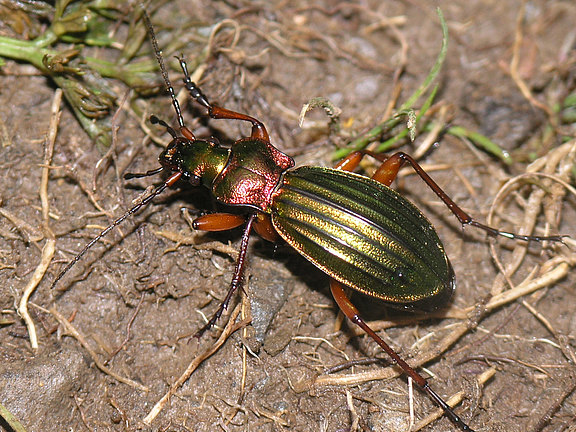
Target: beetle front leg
{"points": [[237, 279], [348, 308], [258, 129]]}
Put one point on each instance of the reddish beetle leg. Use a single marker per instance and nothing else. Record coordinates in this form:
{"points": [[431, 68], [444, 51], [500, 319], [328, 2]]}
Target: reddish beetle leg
{"points": [[388, 171], [386, 174]]}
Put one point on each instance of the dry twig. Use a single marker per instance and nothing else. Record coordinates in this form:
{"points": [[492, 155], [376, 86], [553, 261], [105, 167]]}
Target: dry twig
{"points": [[49, 247], [230, 328], [80, 338]]}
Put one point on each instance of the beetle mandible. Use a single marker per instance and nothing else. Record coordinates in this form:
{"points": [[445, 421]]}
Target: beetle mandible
{"points": [[356, 229]]}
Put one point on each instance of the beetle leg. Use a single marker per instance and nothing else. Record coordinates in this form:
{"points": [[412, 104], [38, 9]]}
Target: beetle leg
{"points": [[263, 226], [350, 162], [352, 313], [465, 219], [237, 279], [227, 221], [218, 222], [148, 173], [388, 171], [258, 129]]}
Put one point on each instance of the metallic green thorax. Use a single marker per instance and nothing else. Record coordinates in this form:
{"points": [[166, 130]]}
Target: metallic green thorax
{"points": [[363, 234], [245, 174], [200, 161]]}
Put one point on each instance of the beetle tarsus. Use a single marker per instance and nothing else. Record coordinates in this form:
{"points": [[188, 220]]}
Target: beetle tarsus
{"points": [[497, 233], [192, 87], [148, 173]]}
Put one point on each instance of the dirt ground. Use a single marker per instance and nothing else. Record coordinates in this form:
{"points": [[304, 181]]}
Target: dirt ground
{"points": [[135, 300]]}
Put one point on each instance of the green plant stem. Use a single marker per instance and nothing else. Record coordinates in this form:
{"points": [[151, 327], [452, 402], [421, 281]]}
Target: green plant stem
{"points": [[374, 133], [29, 51], [482, 142]]}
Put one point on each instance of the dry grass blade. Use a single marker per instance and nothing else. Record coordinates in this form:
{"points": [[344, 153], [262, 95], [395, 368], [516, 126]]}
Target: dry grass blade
{"points": [[230, 328], [100, 365]]}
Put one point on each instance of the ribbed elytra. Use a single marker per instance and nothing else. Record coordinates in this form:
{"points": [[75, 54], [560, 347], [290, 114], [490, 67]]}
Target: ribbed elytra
{"points": [[363, 234]]}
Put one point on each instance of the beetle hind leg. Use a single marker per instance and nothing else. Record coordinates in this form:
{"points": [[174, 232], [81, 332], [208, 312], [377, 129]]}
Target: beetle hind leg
{"points": [[348, 308], [388, 170]]}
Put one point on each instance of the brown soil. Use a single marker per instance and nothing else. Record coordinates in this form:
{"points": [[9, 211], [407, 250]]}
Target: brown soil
{"points": [[142, 291]]}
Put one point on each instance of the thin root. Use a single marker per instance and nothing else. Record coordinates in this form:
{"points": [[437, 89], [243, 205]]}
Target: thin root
{"points": [[71, 330], [230, 328], [50, 246]]}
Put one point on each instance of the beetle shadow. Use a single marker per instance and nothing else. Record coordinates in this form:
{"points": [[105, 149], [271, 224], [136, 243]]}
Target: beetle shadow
{"points": [[299, 267], [370, 308]]}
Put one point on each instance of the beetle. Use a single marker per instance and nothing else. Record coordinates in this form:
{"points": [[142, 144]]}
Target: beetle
{"points": [[359, 231]]}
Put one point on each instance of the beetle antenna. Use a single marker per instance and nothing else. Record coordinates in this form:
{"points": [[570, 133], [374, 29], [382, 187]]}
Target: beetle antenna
{"points": [[160, 60], [159, 189], [169, 182]]}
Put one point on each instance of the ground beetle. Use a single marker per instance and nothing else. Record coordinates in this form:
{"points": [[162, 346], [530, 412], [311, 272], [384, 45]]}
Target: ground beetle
{"points": [[360, 232]]}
